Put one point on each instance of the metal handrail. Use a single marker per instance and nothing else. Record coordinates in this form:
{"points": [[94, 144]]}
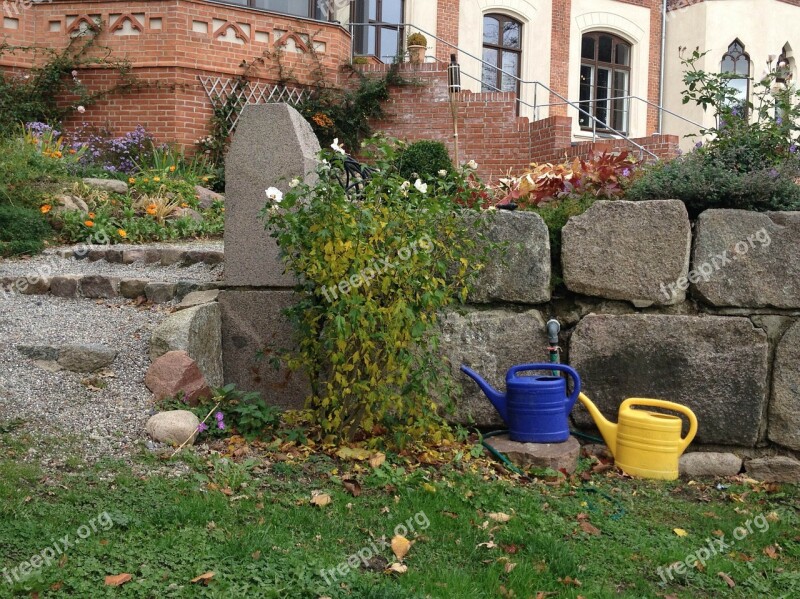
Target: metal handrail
{"points": [[535, 106]]}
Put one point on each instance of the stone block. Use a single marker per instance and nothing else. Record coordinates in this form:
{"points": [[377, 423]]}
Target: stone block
{"points": [[252, 257], [490, 342], [160, 293], [750, 258], [99, 286], [197, 331], [132, 288], [556, 456], [717, 366], [65, 285], [709, 463], [774, 469], [784, 408], [628, 251], [522, 275], [253, 322]]}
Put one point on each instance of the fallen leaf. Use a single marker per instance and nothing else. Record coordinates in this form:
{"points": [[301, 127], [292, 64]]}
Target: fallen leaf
{"points": [[256, 554], [353, 453], [397, 568], [510, 549], [56, 586], [204, 578], [728, 580], [499, 517], [488, 545], [452, 515], [509, 567], [400, 546], [589, 528], [352, 486], [680, 532], [770, 552], [320, 499], [376, 460], [568, 580], [117, 579], [429, 487], [544, 594]]}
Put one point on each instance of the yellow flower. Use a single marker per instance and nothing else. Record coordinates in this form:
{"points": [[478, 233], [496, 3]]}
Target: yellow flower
{"points": [[184, 205], [57, 154], [91, 215], [46, 208], [152, 209], [122, 233], [156, 179], [89, 223], [172, 169], [205, 179], [146, 180], [131, 180], [73, 151]]}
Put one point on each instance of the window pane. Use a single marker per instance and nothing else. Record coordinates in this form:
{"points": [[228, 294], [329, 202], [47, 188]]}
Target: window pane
{"points": [[740, 85], [743, 66], [623, 55], [489, 72], [587, 47], [491, 31], [727, 64], [604, 49], [373, 9], [586, 88], [291, 7], [510, 70], [371, 41], [620, 119], [511, 34], [388, 44], [392, 11], [601, 109]]}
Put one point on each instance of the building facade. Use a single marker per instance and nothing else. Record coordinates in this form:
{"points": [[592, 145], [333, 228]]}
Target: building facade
{"points": [[600, 68]]}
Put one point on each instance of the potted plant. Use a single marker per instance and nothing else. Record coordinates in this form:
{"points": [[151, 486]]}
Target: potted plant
{"points": [[417, 44]]}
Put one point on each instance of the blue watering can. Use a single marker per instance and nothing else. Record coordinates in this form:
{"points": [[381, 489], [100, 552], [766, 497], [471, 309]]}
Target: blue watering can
{"points": [[535, 408]]}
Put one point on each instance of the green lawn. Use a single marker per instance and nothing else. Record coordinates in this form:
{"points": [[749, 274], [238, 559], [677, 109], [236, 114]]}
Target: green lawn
{"points": [[251, 522]]}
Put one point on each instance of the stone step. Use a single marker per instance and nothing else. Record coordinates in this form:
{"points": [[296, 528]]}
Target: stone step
{"points": [[94, 286], [162, 256]]}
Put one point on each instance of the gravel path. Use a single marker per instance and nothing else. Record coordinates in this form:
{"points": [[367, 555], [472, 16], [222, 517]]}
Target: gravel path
{"points": [[55, 265], [106, 420]]}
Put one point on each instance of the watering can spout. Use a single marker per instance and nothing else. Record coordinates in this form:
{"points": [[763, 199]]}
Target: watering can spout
{"points": [[498, 399], [607, 429]]}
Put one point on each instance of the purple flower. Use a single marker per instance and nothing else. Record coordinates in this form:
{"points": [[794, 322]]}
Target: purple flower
{"points": [[219, 416], [778, 121], [626, 172], [793, 149], [202, 427], [221, 425], [698, 145], [773, 173]]}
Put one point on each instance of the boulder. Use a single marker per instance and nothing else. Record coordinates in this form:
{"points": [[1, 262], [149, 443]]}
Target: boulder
{"points": [[750, 258], [206, 197], [198, 332], [522, 274], [85, 357], [774, 469], [717, 366], [173, 427], [110, 185], [132, 288], [709, 463], [65, 285], [70, 202], [628, 251], [176, 373], [490, 342], [188, 213], [98, 286], [784, 408]]}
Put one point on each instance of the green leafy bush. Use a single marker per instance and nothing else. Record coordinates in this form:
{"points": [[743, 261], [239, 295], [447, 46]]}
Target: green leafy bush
{"points": [[22, 230], [28, 177], [376, 267], [424, 159]]}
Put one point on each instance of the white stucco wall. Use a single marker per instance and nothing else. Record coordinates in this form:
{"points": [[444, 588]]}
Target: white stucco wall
{"points": [[536, 18], [763, 26], [629, 22], [423, 13]]}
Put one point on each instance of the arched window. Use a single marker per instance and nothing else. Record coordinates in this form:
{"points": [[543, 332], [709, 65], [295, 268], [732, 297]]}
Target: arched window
{"points": [[785, 66], [605, 81], [736, 62], [502, 53], [382, 41]]}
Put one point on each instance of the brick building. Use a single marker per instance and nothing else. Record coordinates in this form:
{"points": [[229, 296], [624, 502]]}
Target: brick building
{"points": [[540, 78]]}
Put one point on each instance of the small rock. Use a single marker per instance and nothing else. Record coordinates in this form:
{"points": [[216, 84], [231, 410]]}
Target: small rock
{"points": [[110, 185], [196, 298], [173, 427], [774, 469], [32, 285], [170, 256], [48, 365], [160, 293], [710, 463], [184, 288], [68, 202], [207, 197], [131, 256], [188, 213], [85, 358], [65, 285], [175, 373], [132, 288], [204, 256], [38, 352], [539, 455], [98, 286]]}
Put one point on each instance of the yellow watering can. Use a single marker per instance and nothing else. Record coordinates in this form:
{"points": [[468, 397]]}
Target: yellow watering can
{"points": [[643, 443]]}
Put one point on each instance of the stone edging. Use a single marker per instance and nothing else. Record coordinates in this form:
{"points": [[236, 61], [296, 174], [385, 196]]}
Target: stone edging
{"points": [[163, 256]]}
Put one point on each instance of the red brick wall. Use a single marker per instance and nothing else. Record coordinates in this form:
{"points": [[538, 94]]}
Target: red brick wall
{"points": [[447, 27], [559, 54], [167, 59]]}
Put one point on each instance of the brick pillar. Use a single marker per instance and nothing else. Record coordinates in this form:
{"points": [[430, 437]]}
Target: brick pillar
{"points": [[559, 54], [446, 28], [655, 65]]}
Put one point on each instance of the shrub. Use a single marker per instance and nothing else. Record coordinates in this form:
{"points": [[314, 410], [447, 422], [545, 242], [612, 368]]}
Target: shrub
{"points": [[22, 230], [27, 176], [417, 39], [424, 159], [376, 269]]}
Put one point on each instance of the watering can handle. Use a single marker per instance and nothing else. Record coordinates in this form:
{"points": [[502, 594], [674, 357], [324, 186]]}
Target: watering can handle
{"points": [[514, 370], [667, 405]]}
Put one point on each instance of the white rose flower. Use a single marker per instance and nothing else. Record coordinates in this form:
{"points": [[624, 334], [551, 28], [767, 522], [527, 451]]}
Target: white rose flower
{"points": [[274, 195], [405, 185], [442, 173], [81, 109], [421, 187], [336, 147], [294, 182], [472, 165]]}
